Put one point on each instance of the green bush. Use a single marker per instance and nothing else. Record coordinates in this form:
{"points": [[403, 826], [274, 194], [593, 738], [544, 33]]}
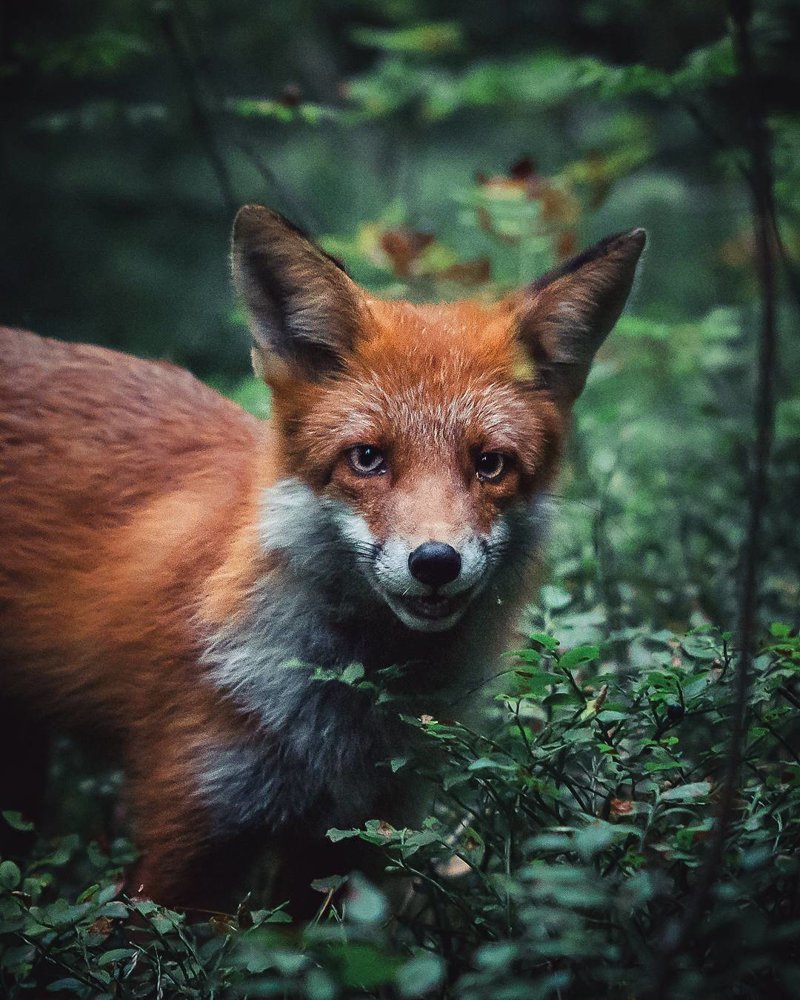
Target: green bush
{"points": [[565, 841], [572, 824]]}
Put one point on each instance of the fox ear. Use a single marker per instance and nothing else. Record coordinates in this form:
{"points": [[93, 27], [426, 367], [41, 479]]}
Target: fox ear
{"points": [[566, 315], [302, 307]]}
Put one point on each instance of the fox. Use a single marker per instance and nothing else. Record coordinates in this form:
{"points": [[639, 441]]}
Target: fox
{"points": [[173, 569]]}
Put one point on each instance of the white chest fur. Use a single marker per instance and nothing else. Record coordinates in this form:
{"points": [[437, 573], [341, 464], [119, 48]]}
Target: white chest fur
{"points": [[321, 746]]}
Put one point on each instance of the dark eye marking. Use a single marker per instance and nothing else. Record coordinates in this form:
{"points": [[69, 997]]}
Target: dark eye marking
{"points": [[366, 460], [491, 466]]}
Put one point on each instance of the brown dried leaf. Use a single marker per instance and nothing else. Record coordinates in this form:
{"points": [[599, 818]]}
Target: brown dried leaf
{"points": [[621, 807], [403, 246], [468, 272]]}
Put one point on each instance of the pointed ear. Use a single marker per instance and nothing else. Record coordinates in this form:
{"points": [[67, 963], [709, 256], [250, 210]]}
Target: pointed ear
{"points": [[302, 307], [567, 314]]}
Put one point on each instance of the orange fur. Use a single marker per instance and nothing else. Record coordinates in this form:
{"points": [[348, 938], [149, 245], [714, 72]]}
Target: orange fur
{"points": [[131, 508]]}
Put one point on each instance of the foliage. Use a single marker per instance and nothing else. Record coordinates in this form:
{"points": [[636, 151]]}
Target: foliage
{"points": [[440, 153], [564, 840]]}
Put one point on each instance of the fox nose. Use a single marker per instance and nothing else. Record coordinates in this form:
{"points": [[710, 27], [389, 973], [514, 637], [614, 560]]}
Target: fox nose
{"points": [[434, 563]]}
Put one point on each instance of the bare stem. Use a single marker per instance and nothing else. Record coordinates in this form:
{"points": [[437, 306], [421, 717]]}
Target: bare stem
{"points": [[199, 111], [759, 179]]}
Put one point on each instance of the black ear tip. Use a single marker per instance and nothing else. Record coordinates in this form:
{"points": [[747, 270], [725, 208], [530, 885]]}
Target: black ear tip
{"points": [[250, 218], [256, 220], [633, 239], [637, 237], [628, 244], [251, 209]]}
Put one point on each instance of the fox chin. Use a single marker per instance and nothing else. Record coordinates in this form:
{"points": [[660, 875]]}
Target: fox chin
{"points": [[172, 569]]}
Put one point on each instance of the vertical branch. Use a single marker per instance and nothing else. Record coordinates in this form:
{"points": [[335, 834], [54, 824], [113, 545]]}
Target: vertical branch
{"points": [[200, 117], [758, 175], [758, 146], [763, 215], [199, 66]]}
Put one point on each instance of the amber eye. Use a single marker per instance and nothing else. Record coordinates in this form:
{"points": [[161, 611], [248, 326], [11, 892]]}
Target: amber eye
{"points": [[491, 465], [366, 460]]}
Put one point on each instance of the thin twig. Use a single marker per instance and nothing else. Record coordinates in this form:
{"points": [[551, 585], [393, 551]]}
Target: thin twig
{"points": [[759, 175], [201, 67], [197, 105], [707, 127]]}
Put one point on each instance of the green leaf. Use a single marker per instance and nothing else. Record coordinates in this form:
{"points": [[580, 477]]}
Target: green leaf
{"points": [[547, 642], [115, 955], [331, 883], [18, 960], [490, 764], [420, 975], [432, 37], [10, 875], [554, 598], [320, 986], [364, 904], [496, 955], [598, 836], [363, 966], [15, 820], [691, 792], [336, 835], [66, 985], [352, 673], [706, 66], [578, 655]]}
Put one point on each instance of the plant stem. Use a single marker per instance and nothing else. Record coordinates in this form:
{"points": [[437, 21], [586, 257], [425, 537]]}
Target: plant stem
{"points": [[197, 104], [759, 179]]}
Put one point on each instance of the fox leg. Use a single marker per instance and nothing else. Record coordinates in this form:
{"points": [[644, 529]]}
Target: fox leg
{"points": [[202, 878], [196, 858], [186, 862]]}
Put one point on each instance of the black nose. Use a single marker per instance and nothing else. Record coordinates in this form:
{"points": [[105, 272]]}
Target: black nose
{"points": [[434, 563]]}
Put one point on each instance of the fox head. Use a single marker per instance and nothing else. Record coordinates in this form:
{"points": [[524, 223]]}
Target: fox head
{"points": [[429, 431]]}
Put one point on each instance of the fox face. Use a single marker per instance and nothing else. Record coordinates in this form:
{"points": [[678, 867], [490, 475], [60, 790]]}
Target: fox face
{"points": [[429, 432], [428, 449]]}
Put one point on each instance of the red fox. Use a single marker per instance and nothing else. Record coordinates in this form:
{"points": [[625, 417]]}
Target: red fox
{"points": [[171, 567]]}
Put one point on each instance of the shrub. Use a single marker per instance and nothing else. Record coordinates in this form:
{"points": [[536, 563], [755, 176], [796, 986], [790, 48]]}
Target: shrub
{"points": [[566, 838]]}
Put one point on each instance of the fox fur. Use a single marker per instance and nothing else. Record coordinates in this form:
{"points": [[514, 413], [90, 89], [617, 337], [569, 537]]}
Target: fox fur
{"points": [[171, 568]]}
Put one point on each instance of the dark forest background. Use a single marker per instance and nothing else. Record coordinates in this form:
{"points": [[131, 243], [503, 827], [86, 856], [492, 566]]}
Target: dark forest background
{"points": [[445, 149], [439, 149]]}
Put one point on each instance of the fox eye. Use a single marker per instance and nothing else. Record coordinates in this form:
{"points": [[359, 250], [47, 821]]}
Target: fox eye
{"points": [[491, 465], [366, 460]]}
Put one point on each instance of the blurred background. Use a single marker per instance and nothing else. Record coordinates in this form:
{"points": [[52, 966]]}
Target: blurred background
{"points": [[440, 149]]}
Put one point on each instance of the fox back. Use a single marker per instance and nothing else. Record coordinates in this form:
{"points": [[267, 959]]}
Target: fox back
{"points": [[172, 570]]}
